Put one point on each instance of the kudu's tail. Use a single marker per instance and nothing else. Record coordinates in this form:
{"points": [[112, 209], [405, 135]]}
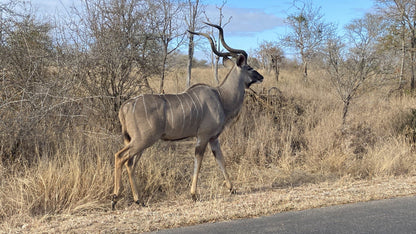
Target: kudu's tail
{"points": [[125, 134]]}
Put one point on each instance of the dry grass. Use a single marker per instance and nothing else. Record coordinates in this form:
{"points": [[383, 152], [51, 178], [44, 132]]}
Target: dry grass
{"points": [[183, 212], [288, 154]]}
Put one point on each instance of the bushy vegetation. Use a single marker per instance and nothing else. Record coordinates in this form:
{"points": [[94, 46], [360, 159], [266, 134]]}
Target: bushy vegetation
{"points": [[293, 137]]}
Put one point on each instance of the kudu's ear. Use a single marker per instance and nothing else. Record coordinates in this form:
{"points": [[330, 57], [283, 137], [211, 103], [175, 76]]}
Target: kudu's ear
{"points": [[241, 60]]}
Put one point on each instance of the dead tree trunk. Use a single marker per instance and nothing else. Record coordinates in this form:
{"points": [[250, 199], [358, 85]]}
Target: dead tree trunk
{"points": [[190, 58]]}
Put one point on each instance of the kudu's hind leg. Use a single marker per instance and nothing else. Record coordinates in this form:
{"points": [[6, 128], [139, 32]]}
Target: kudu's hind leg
{"points": [[118, 163], [199, 153], [131, 165], [126, 156], [216, 150]]}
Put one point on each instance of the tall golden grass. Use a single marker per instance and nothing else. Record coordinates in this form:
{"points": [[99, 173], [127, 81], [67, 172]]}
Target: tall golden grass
{"points": [[290, 137]]}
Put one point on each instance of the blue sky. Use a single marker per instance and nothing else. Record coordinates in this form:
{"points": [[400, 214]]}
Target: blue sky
{"points": [[255, 21]]}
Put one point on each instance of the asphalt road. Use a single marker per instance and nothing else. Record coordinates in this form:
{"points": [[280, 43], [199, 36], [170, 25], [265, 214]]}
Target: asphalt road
{"points": [[396, 215]]}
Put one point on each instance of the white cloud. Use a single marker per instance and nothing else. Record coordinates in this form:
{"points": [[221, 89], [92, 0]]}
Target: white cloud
{"points": [[244, 20]]}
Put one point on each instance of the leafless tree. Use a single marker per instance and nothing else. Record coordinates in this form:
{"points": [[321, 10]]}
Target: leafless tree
{"points": [[222, 23], [270, 57], [403, 11], [35, 104], [349, 68], [118, 49], [309, 31], [169, 30], [194, 11]]}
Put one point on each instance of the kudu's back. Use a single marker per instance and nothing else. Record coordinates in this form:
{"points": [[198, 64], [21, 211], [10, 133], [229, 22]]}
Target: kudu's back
{"points": [[196, 111]]}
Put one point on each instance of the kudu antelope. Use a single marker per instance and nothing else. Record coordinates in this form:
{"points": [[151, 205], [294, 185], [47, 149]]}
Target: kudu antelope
{"points": [[201, 111]]}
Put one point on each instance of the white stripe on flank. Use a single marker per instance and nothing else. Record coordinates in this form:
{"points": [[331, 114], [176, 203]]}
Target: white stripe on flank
{"points": [[199, 102], [183, 113], [196, 108], [171, 112], [134, 105], [145, 111], [189, 105]]}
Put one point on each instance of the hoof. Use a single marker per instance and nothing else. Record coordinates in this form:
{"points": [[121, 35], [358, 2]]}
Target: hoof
{"points": [[113, 205], [113, 202], [194, 197], [140, 203]]}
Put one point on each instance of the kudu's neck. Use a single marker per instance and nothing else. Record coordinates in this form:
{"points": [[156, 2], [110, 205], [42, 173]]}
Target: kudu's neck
{"points": [[232, 93]]}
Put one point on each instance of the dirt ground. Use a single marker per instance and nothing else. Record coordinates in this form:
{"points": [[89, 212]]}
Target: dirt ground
{"points": [[244, 204]]}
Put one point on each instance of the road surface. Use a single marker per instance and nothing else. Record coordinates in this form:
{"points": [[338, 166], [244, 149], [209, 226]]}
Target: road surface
{"points": [[396, 215]]}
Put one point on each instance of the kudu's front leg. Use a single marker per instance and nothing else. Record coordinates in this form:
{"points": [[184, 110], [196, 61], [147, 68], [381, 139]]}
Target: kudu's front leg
{"points": [[216, 150], [199, 153]]}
